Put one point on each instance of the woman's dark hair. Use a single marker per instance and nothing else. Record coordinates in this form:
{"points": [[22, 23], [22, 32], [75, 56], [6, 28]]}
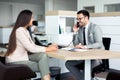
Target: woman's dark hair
{"points": [[84, 12], [23, 20]]}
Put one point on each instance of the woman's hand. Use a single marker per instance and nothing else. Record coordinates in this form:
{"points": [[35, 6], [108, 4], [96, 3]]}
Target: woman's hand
{"points": [[52, 47]]}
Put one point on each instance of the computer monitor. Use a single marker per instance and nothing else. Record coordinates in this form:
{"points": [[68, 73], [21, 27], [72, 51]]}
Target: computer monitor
{"points": [[35, 23]]}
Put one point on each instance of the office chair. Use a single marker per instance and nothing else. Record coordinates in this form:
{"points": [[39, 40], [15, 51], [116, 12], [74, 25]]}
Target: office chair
{"points": [[105, 62], [10, 71], [67, 76], [55, 72], [113, 75]]}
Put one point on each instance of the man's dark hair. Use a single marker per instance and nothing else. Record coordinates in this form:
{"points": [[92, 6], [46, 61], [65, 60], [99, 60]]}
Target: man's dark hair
{"points": [[84, 12]]}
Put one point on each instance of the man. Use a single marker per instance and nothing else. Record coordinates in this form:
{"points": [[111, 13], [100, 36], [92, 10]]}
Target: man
{"points": [[91, 39]]}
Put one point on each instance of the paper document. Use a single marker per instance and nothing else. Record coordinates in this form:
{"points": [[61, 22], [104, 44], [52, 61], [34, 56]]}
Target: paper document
{"points": [[73, 49]]}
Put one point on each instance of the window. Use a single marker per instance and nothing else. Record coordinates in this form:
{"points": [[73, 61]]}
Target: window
{"points": [[112, 8], [91, 9]]}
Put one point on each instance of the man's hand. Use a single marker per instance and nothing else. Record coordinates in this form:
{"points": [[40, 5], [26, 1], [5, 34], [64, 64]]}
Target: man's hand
{"points": [[75, 28]]}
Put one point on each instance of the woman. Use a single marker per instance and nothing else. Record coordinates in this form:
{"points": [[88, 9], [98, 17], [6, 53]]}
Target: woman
{"points": [[20, 43]]}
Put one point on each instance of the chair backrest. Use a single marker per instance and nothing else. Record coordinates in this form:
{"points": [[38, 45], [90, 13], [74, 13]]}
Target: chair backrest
{"points": [[113, 75], [106, 42], [2, 59], [105, 62]]}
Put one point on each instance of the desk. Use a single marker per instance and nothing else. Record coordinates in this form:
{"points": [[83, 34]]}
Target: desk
{"points": [[85, 55]]}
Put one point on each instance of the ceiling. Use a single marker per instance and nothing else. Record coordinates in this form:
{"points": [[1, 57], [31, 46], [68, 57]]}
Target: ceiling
{"points": [[26, 1]]}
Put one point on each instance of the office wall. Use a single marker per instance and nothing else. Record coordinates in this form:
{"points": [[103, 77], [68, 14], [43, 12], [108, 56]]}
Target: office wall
{"points": [[36, 9], [51, 5], [99, 4], [9, 11], [5, 14], [65, 5], [111, 28]]}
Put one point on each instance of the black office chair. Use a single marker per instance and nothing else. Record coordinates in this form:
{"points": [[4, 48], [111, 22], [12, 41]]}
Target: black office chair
{"points": [[55, 72], [105, 62], [10, 71], [106, 43], [113, 75]]}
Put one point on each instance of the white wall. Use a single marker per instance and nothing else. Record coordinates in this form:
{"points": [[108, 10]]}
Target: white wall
{"points": [[111, 28], [5, 14], [9, 11], [99, 4], [60, 5], [65, 5], [36, 9]]}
